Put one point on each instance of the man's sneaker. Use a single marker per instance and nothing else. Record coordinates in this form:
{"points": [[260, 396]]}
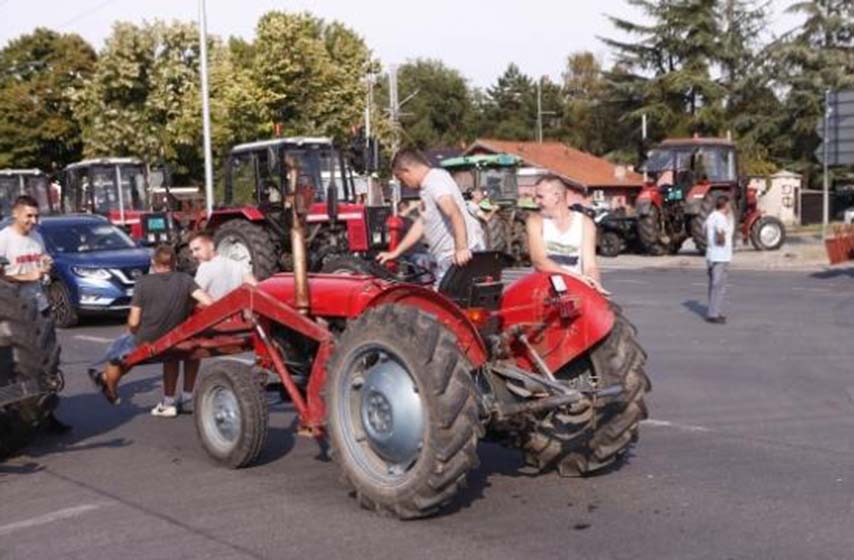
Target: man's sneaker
{"points": [[165, 410]]}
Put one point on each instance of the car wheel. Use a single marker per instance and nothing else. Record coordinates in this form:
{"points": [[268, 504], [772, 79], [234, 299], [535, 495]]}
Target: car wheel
{"points": [[61, 307]]}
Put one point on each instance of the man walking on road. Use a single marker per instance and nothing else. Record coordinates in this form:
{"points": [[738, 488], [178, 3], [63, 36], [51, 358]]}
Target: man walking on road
{"points": [[720, 227], [451, 232]]}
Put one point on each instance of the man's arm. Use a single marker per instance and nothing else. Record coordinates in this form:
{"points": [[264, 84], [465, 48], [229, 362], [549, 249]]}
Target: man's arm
{"points": [[409, 240], [249, 278], [448, 207], [202, 297], [588, 251], [134, 318]]}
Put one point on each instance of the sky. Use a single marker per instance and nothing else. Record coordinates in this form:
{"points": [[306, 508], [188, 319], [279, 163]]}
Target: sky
{"points": [[477, 37]]}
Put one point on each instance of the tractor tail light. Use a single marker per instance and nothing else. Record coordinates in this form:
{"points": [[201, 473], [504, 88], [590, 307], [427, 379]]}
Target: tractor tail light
{"points": [[478, 316]]}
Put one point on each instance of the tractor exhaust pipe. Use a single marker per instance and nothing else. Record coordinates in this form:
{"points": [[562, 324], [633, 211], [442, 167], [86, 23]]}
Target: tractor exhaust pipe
{"points": [[298, 252]]}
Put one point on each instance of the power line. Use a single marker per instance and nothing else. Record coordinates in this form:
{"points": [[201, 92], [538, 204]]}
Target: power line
{"points": [[86, 13]]}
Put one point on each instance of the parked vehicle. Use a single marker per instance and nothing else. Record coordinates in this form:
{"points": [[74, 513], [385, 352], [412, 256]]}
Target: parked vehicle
{"points": [[96, 266], [687, 175], [616, 232], [30, 378], [17, 182]]}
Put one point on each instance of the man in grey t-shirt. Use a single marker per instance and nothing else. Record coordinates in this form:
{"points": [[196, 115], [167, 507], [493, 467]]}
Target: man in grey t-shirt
{"points": [[24, 249], [217, 275], [451, 232]]}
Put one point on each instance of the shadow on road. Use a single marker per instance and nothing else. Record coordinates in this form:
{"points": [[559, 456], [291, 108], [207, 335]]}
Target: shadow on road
{"points": [[695, 307], [833, 273]]}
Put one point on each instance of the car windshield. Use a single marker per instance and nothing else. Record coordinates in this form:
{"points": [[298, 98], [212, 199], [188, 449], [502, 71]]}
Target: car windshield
{"points": [[85, 237]]}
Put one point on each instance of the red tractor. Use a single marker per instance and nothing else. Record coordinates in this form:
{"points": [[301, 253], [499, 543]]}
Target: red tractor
{"points": [[403, 381], [686, 177], [32, 182], [253, 225]]}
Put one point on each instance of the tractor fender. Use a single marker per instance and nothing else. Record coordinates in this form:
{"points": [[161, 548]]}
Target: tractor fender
{"points": [[530, 303], [342, 296], [648, 197], [448, 313], [696, 194], [222, 215]]}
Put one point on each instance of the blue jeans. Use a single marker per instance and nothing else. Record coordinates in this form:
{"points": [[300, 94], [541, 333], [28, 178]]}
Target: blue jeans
{"points": [[120, 347]]}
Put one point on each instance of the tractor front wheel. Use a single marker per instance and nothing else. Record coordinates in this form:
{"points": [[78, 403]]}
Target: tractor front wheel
{"points": [[249, 243], [402, 412], [767, 234], [231, 415]]}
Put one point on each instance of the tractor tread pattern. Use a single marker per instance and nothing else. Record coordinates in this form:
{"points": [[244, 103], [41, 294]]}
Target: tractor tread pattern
{"points": [[450, 450], [259, 242], [577, 448]]}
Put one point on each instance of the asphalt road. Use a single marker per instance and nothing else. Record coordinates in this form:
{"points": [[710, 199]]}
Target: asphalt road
{"points": [[749, 454]]}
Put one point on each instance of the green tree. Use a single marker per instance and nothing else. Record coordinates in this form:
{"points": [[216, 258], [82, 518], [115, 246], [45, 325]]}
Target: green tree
{"points": [[310, 73], [509, 107], [817, 56], [142, 99], [669, 66], [439, 105], [38, 73]]}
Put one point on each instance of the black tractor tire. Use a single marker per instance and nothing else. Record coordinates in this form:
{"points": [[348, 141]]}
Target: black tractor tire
{"points": [[186, 262], [437, 376], [760, 237], [497, 232], [610, 244], [29, 352], [230, 413], [518, 247], [698, 222], [649, 232], [558, 442], [355, 266], [256, 239], [61, 307]]}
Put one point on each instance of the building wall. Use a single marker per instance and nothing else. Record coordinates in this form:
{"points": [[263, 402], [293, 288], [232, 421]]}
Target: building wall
{"points": [[779, 196]]}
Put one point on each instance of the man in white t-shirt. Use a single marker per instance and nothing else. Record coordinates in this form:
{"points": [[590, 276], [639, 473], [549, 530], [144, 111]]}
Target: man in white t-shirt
{"points": [[216, 276], [24, 249], [720, 228], [451, 232]]}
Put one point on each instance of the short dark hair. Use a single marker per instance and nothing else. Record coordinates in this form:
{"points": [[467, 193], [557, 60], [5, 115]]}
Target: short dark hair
{"points": [[561, 180], [407, 157], [25, 200], [164, 255], [721, 201], [201, 234]]}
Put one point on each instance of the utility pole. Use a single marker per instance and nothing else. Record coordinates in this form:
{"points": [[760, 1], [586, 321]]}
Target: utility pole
{"points": [[369, 162], [825, 213], [540, 110], [206, 110], [643, 144], [394, 118]]}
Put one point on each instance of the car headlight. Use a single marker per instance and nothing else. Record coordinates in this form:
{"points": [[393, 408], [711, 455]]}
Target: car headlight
{"points": [[91, 273]]}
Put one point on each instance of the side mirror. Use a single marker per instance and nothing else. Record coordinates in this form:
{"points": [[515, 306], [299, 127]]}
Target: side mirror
{"points": [[332, 202]]}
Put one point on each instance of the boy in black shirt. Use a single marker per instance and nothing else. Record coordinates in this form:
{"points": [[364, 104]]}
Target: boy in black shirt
{"points": [[161, 301]]}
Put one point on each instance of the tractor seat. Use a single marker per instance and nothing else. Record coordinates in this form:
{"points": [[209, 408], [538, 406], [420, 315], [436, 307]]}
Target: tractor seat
{"points": [[478, 283]]}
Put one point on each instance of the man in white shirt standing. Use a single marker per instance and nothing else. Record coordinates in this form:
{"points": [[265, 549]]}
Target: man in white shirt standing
{"points": [[720, 228], [24, 248], [216, 276], [451, 232]]}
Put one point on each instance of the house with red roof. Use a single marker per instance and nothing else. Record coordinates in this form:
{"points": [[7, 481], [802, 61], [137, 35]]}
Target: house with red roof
{"points": [[615, 185]]}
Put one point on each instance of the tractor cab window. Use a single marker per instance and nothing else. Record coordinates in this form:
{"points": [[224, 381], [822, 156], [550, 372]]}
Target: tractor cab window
{"points": [[133, 187], [38, 187], [99, 189], [242, 175], [716, 163], [9, 191], [499, 184]]}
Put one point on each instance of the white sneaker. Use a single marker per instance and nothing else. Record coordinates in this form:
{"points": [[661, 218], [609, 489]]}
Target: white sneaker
{"points": [[165, 410], [185, 406]]}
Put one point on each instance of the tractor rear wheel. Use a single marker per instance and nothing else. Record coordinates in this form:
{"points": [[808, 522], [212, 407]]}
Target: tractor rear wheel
{"points": [[518, 245], [29, 354], [231, 416], [698, 222], [497, 232], [649, 232], [575, 449], [767, 234], [402, 412], [243, 241], [609, 244]]}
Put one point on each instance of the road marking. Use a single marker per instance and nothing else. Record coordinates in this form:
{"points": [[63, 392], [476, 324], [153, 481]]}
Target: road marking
{"points": [[99, 339], [627, 281], [668, 424], [57, 515]]}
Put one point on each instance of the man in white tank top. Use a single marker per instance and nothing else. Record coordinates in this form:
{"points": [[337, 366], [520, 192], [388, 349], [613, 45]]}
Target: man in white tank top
{"points": [[559, 239]]}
